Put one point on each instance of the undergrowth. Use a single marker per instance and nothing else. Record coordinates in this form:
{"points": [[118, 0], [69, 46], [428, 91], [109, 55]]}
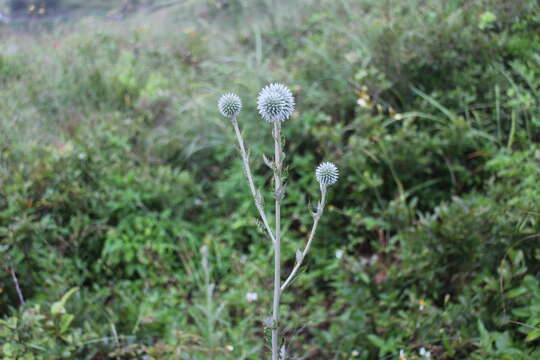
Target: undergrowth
{"points": [[115, 170]]}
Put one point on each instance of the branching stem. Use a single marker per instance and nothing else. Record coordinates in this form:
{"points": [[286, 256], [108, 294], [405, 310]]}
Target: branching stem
{"points": [[256, 195], [275, 236], [316, 218]]}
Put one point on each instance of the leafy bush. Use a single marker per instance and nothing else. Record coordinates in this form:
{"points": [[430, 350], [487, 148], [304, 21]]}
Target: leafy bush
{"points": [[115, 170]]}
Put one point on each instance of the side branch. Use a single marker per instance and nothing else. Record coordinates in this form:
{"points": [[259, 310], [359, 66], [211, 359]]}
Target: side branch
{"points": [[301, 255], [257, 197]]}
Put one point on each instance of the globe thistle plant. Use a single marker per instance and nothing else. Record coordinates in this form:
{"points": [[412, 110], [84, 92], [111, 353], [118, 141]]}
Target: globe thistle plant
{"points": [[276, 104], [230, 105], [327, 174]]}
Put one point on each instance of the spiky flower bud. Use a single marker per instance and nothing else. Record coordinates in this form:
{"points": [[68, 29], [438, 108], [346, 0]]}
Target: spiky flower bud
{"points": [[230, 105], [327, 173], [275, 103]]}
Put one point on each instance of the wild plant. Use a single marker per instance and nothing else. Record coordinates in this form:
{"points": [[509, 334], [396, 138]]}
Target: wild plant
{"points": [[208, 315], [275, 104]]}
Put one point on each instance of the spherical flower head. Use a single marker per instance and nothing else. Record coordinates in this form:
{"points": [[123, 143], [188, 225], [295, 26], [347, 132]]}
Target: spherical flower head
{"points": [[327, 173], [275, 103], [230, 105]]}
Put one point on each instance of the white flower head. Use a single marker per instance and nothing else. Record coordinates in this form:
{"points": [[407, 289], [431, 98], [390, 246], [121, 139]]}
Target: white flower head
{"points": [[252, 296], [339, 254], [230, 105], [275, 103], [327, 173]]}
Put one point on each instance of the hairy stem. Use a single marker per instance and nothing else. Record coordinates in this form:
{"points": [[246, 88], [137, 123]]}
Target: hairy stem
{"points": [[277, 242], [299, 260], [256, 196]]}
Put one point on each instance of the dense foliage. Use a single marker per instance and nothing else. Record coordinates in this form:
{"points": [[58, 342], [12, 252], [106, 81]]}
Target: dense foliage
{"points": [[116, 169]]}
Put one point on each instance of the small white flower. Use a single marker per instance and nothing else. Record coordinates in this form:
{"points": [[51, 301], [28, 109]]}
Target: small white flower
{"points": [[362, 103], [230, 105], [275, 103], [327, 173], [252, 296], [229, 348], [339, 254], [355, 353], [424, 353]]}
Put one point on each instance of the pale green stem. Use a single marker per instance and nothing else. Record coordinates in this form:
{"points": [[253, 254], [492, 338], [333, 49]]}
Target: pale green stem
{"points": [[277, 240], [512, 130]]}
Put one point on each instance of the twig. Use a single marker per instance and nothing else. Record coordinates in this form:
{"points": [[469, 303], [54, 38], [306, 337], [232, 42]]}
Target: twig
{"points": [[17, 287], [522, 324]]}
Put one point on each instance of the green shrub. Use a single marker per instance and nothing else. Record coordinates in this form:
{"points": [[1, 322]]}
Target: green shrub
{"points": [[115, 171]]}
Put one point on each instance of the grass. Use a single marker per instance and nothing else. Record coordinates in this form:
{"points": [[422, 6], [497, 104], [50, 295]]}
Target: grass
{"points": [[116, 169]]}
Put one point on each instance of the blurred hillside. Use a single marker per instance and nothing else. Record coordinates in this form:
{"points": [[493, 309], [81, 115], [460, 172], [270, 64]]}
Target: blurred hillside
{"points": [[21, 11], [44, 8], [116, 169]]}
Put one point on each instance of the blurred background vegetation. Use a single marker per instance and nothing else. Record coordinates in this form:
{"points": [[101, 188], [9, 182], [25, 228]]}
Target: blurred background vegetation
{"points": [[116, 170]]}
